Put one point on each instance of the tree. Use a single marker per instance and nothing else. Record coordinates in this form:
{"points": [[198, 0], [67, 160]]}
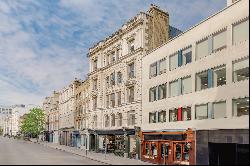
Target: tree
{"points": [[33, 123]]}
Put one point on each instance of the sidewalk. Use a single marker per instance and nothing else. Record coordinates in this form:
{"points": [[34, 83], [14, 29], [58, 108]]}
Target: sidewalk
{"points": [[110, 159]]}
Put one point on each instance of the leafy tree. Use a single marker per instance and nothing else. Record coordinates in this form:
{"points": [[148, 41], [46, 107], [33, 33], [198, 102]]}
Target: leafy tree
{"points": [[33, 123]]}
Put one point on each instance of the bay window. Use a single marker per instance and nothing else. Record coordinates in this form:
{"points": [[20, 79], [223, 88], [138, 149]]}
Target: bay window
{"points": [[201, 111], [241, 31], [241, 70], [202, 49], [219, 110]]}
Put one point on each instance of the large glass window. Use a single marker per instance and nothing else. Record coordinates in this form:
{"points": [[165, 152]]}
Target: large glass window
{"points": [[187, 56], [186, 85], [219, 41], [173, 86], [173, 62], [241, 32], [173, 114], [219, 76], [241, 70], [186, 113], [153, 69], [162, 65], [162, 91], [201, 111], [152, 94], [152, 117], [219, 110], [241, 106], [162, 116], [201, 81], [202, 49]]}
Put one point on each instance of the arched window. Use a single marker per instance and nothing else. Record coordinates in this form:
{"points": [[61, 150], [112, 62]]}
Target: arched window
{"points": [[113, 120], [119, 119], [106, 117]]}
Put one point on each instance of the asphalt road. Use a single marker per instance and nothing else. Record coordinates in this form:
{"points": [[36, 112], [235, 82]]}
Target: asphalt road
{"points": [[13, 152]]}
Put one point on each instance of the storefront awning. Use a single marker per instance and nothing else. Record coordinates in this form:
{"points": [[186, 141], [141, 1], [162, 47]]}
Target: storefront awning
{"points": [[115, 132]]}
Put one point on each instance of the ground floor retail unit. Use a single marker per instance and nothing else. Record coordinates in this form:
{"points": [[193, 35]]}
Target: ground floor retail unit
{"points": [[214, 147]]}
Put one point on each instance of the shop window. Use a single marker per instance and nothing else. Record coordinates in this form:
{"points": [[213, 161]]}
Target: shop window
{"points": [[147, 149], [162, 117], [131, 70], [153, 69], [112, 78], [154, 150], [201, 111], [112, 99], [202, 49], [187, 56], [131, 94], [152, 94], [113, 120], [162, 91], [219, 76], [119, 98], [186, 85], [162, 65], [219, 41], [241, 31], [119, 119], [173, 114], [173, 88], [186, 114], [119, 77], [173, 62], [152, 117], [241, 106], [178, 152], [201, 81], [219, 110], [241, 70]]}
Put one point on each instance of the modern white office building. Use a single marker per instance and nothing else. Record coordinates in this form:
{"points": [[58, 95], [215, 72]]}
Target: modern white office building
{"points": [[195, 93]]}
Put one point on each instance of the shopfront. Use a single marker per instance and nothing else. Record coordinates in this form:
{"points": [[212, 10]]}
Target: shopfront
{"points": [[168, 148]]}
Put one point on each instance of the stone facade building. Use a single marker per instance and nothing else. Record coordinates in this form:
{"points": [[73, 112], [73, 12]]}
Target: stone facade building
{"points": [[195, 93], [115, 81]]}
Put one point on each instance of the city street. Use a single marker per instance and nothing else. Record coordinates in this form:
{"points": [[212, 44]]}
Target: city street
{"points": [[21, 152]]}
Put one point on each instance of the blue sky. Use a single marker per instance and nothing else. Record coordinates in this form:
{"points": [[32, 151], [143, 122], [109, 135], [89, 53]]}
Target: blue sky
{"points": [[43, 43]]}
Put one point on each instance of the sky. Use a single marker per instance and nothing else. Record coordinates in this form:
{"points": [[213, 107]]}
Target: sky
{"points": [[44, 43]]}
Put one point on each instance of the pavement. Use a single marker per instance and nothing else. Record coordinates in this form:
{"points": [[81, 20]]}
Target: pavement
{"points": [[19, 152], [109, 159]]}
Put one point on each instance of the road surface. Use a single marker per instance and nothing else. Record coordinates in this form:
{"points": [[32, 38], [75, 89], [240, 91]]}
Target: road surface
{"points": [[13, 152]]}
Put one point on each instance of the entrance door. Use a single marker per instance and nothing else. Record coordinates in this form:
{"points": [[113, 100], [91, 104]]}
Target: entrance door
{"points": [[164, 150]]}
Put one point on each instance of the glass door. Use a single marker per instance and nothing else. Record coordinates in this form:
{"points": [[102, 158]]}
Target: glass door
{"points": [[164, 153]]}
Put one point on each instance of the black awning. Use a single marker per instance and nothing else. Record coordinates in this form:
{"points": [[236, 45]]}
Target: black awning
{"points": [[115, 132], [174, 137]]}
